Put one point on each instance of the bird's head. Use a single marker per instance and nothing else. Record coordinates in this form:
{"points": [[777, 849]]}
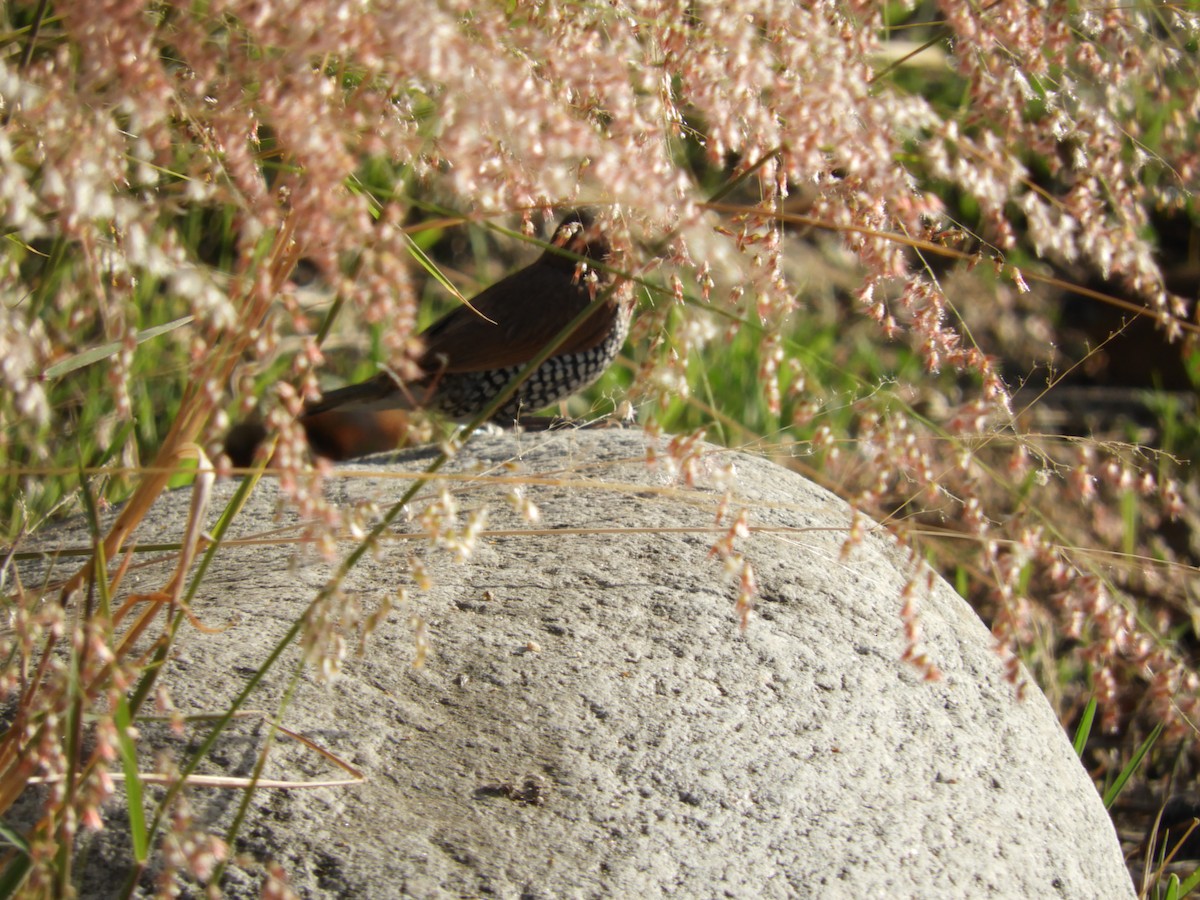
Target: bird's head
{"points": [[578, 233]]}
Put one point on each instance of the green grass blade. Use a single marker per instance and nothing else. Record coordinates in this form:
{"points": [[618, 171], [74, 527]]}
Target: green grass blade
{"points": [[133, 784], [1085, 727], [14, 874], [13, 838], [1189, 884], [1115, 789], [104, 351]]}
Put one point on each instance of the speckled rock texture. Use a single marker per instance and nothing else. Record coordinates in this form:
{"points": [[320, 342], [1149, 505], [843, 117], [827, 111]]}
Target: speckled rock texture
{"points": [[592, 722]]}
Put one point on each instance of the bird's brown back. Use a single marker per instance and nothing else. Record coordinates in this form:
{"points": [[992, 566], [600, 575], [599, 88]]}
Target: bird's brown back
{"points": [[514, 319]]}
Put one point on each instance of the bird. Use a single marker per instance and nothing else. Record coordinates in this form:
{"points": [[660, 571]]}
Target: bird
{"points": [[474, 351]]}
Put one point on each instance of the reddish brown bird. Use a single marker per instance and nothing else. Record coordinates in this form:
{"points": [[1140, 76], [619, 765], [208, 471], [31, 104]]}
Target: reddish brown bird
{"points": [[472, 354]]}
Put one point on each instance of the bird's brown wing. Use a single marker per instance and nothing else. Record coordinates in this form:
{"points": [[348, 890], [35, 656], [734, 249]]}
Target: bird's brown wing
{"points": [[380, 392], [528, 308]]}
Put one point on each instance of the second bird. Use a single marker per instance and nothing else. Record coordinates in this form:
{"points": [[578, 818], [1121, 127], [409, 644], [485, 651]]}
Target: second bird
{"points": [[471, 354]]}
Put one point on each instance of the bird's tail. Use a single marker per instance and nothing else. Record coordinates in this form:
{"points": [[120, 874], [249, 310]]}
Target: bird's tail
{"points": [[345, 433], [335, 434], [371, 417]]}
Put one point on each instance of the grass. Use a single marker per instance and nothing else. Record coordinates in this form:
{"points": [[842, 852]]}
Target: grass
{"points": [[1002, 507], [842, 369]]}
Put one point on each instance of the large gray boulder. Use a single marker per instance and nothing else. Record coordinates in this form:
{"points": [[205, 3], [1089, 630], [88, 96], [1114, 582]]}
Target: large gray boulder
{"points": [[592, 722]]}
